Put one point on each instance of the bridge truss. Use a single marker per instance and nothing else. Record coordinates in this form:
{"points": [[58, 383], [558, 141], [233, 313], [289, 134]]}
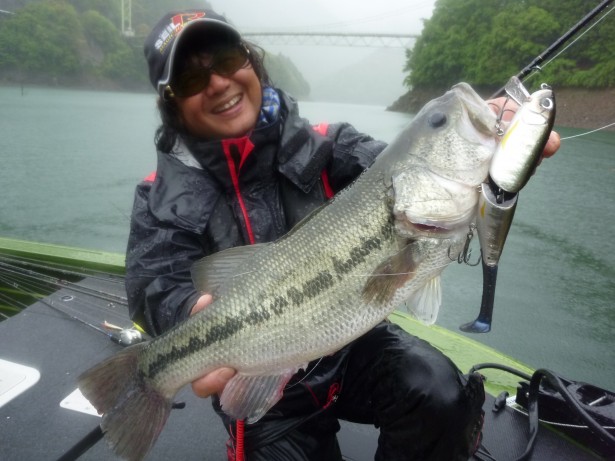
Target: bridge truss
{"points": [[332, 39]]}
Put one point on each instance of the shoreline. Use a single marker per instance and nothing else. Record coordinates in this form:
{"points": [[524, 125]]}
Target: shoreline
{"points": [[576, 107]]}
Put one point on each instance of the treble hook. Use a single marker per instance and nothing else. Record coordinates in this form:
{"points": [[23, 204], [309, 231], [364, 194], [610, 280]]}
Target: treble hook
{"points": [[464, 256], [500, 115]]}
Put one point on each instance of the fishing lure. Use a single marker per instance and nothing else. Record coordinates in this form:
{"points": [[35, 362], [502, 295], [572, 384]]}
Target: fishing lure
{"points": [[513, 164]]}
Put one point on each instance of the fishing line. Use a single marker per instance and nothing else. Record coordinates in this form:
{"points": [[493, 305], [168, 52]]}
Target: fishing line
{"points": [[538, 60], [290, 386], [57, 309], [21, 286], [28, 284], [589, 132], [40, 286], [393, 274], [535, 66], [64, 269], [519, 409], [40, 291], [537, 69], [27, 266], [44, 281], [33, 265], [556, 383], [11, 303]]}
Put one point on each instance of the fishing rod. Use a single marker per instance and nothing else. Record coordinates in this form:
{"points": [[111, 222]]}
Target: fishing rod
{"points": [[13, 267], [57, 267], [122, 336], [35, 284], [556, 45], [499, 205]]}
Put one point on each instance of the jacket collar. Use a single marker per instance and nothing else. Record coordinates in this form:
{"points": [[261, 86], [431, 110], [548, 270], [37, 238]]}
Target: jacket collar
{"points": [[303, 153], [192, 177]]}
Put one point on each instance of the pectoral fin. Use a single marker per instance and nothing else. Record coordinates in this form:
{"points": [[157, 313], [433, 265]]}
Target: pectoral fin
{"points": [[425, 302], [249, 397], [392, 274]]}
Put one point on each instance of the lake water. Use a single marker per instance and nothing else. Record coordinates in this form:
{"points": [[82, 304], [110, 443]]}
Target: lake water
{"points": [[70, 161]]}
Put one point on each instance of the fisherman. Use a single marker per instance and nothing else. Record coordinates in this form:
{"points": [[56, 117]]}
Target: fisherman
{"points": [[237, 165]]}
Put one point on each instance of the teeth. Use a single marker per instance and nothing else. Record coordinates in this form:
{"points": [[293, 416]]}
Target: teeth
{"points": [[229, 104]]}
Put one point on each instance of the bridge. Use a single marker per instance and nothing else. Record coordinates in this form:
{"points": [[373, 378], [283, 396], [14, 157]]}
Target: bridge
{"points": [[374, 40]]}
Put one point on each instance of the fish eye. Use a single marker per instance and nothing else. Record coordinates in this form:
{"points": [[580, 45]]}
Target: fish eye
{"points": [[546, 103], [437, 119]]}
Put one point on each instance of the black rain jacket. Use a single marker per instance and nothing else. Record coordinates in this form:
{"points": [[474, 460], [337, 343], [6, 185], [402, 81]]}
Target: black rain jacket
{"points": [[209, 196]]}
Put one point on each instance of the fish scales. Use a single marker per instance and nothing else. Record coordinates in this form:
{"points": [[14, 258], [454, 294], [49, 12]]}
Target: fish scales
{"points": [[290, 295], [382, 241]]}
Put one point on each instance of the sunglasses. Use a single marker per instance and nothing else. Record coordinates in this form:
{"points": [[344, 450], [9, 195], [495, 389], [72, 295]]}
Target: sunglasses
{"points": [[224, 62]]}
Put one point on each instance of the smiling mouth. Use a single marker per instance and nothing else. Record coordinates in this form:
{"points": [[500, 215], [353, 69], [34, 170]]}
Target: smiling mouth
{"points": [[228, 105]]}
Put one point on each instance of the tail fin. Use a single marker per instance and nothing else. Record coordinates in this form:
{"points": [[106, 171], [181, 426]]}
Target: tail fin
{"points": [[134, 412]]}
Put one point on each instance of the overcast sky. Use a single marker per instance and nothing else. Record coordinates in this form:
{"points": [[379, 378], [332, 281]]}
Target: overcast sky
{"points": [[393, 16], [317, 62]]}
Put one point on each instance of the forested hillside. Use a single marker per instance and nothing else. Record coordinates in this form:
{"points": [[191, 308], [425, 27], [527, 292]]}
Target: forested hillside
{"points": [[483, 42], [79, 43], [487, 41]]}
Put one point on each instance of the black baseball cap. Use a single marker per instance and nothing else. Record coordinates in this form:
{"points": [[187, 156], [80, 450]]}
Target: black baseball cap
{"points": [[171, 31]]}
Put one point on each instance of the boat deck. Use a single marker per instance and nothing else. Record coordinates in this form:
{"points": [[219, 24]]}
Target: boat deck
{"points": [[52, 337]]}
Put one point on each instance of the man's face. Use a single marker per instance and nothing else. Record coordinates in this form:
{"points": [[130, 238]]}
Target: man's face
{"points": [[227, 107]]}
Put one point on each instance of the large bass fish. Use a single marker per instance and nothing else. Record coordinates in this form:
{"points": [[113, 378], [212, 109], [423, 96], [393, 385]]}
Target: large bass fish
{"points": [[379, 243]]}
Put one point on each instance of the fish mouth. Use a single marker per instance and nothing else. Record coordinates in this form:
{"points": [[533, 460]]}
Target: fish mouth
{"points": [[413, 226], [482, 118], [434, 205]]}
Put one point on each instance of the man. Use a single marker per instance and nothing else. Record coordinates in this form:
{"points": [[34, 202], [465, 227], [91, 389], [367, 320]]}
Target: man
{"points": [[238, 166]]}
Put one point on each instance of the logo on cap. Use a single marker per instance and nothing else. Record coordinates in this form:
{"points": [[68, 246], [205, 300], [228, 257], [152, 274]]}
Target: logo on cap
{"points": [[174, 27]]}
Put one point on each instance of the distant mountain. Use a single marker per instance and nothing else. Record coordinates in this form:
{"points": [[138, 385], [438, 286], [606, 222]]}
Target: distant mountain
{"points": [[78, 44], [377, 79]]}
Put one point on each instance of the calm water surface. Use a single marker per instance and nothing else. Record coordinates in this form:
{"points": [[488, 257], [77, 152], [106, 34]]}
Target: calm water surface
{"points": [[71, 159]]}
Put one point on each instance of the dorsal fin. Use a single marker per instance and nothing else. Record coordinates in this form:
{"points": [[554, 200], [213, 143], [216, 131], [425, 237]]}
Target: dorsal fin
{"points": [[211, 272]]}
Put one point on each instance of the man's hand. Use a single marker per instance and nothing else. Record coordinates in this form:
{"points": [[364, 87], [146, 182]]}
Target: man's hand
{"points": [[214, 382], [552, 144]]}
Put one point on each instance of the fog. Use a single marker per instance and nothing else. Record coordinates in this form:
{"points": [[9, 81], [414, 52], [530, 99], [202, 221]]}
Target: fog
{"points": [[336, 72]]}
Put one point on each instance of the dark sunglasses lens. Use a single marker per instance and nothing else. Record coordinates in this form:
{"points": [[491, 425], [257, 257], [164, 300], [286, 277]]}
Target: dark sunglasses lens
{"points": [[228, 62], [225, 62], [192, 82]]}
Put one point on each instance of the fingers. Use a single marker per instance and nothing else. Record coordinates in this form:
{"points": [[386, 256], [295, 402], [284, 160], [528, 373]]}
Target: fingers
{"points": [[504, 106], [552, 145], [212, 383], [201, 303]]}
